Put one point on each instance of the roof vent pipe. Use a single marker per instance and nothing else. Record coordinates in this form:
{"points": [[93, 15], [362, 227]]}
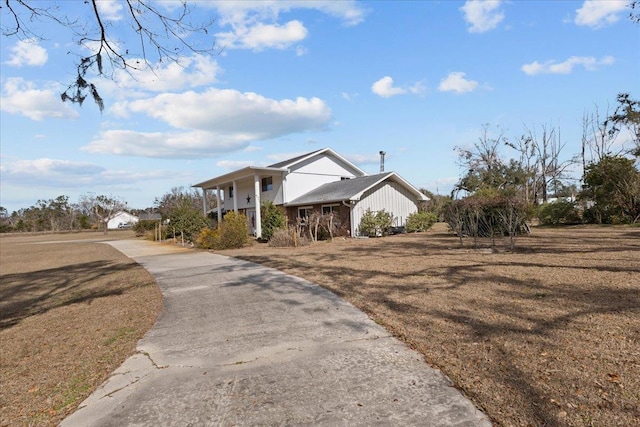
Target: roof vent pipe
{"points": [[382, 154]]}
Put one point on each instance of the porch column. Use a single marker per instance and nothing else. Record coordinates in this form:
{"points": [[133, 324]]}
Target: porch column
{"points": [[235, 197], [204, 200], [218, 205], [256, 198]]}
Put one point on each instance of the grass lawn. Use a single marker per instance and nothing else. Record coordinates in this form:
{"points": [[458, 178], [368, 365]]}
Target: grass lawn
{"points": [[71, 311]]}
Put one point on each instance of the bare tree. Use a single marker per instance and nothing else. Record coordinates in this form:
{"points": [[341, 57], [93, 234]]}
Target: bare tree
{"points": [[162, 32], [543, 156], [101, 207]]}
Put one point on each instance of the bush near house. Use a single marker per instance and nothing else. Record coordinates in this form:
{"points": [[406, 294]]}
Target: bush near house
{"points": [[232, 233], [273, 218], [376, 224], [420, 221]]}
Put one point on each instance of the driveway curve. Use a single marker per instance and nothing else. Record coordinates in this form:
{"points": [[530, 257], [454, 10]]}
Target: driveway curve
{"points": [[241, 344]]}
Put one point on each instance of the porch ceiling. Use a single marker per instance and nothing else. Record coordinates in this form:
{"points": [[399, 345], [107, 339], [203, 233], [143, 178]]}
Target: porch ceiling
{"points": [[248, 172]]}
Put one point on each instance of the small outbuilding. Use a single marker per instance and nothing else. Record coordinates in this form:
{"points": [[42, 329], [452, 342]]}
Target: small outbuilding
{"points": [[121, 219]]}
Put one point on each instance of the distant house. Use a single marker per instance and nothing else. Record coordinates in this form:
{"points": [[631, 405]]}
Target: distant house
{"points": [[121, 219], [320, 181]]}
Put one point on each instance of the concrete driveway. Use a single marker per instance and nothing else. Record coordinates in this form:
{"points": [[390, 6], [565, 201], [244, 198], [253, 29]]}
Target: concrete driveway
{"points": [[241, 344]]}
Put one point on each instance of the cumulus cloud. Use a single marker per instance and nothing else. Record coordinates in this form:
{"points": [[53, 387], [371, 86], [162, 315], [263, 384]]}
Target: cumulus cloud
{"points": [[165, 145], [256, 26], [264, 36], [230, 121], [482, 15], [49, 172], [384, 88], [187, 73], [566, 67], [598, 13], [57, 174], [110, 9], [27, 52], [455, 82], [22, 97]]}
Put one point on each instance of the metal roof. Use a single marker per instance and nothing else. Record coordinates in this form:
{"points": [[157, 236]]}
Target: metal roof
{"points": [[287, 162], [350, 189]]}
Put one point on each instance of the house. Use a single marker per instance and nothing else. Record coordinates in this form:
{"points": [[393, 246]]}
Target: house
{"points": [[121, 219], [321, 181]]}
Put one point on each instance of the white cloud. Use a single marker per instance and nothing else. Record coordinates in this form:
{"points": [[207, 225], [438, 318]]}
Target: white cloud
{"points": [[264, 36], [384, 88], [255, 24], [56, 173], [234, 164], [455, 82], [280, 157], [482, 15], [230, 121], [110, 9], [188, 73], [49, 172], [165, 145], [551, 67], [230, 111], [600, 13], [21, 97], [27, 52]]}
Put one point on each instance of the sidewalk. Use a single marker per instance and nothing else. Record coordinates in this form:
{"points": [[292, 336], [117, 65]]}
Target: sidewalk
{"points": [[242, 344]]}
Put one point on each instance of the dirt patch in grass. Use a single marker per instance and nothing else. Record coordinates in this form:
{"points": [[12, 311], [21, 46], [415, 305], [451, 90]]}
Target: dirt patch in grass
{"points": [[71, 311], [546, 335]]}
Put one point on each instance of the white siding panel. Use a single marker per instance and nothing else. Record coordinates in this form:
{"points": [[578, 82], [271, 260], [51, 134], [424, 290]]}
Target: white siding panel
{"points": [[298, 184], [324, 165], [390, 196], [245, 188]]}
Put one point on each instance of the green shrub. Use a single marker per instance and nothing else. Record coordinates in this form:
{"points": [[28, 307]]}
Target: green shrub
{"points": [[420, 221], [376, 224], [273, 218], [558, 213], [208, 238], [232, 233]]}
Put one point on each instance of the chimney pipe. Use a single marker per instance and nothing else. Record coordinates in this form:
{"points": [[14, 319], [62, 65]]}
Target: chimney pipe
{"points": [[382, 153]]}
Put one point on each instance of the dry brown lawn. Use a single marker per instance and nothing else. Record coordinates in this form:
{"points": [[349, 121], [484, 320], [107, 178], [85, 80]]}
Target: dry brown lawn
{"points": [[545, 335], [71, 311]]}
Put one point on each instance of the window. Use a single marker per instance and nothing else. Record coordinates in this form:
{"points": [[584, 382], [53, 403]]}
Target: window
{"points": [[305, 212], [267, 184], [344, 178], [327, 209], [231, 192]]}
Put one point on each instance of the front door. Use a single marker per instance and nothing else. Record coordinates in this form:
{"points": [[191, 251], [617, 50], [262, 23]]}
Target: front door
{"points": [[251, 216]]}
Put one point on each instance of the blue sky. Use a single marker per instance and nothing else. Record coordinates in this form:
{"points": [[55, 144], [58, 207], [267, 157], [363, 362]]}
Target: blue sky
{"points": [[414, 79]]}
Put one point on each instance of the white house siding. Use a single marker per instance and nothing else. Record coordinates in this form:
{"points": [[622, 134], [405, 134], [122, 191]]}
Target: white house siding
{"points": [[313, 174], [245, 188], [391, 197]]}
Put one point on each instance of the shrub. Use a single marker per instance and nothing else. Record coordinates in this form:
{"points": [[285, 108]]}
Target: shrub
{"points": [[558, 213], [273, 218], [208, 238], [287, 238], [232, 233], [376, 224], [488, 216], [420, 221]]}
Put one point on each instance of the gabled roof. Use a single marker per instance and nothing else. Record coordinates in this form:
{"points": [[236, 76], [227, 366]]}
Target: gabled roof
{"points": [[350, 189], [281, 167], [294, 160]]}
